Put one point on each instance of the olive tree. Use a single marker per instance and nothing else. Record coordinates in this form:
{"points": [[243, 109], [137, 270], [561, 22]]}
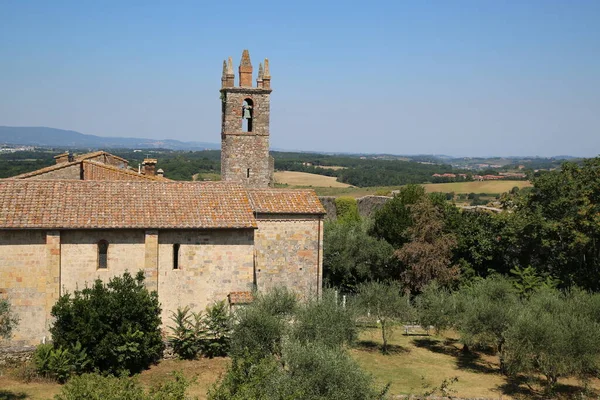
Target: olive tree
{"points": [[385, 303]]}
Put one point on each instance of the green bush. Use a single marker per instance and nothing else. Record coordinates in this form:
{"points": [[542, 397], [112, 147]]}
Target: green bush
{"points": [[260, 327], [195, 333], [309, 372], [8, 320], [98, 387], [117, 324], [325, 321], [60, 363], [346, 209], [436, 306]]}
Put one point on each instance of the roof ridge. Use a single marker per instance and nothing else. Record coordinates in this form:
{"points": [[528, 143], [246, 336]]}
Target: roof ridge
{"points": [[45, 169]]}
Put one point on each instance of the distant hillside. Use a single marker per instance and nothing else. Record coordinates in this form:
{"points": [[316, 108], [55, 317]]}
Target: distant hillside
{"points": [[51, 137]]}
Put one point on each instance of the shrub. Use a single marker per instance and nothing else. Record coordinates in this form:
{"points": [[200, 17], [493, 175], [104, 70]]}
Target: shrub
{"points": [[217, 322], [259, 328], [117, 324], [325, 321], [347, 209], [60, 363], [308, 372], [96, 386], [195, 333], [8, 320], [187, 331]]}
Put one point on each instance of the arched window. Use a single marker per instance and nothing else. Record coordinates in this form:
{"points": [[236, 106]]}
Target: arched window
{"points": [[247, 115], [176, 256], [102, 254]]}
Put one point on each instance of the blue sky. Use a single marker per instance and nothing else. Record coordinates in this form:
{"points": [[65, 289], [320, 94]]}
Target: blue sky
{"points": [[462, 78]]}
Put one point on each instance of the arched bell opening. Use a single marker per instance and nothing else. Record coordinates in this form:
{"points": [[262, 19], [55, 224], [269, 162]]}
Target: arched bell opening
{"points": [[247, 115]]}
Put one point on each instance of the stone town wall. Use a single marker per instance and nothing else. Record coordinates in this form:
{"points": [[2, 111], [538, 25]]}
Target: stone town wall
{"points": [[72, 172], [211, 265], [23, 280], [289, 252], [367, 205], [245, 155]]}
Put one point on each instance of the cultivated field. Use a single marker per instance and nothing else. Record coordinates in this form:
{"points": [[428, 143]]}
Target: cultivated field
{"points": [[294, 178], [416, 360], [491, 187], [476, 186]]}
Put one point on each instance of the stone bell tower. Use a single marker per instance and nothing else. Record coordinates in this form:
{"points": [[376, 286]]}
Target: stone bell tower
{"points": [[245, 125]]}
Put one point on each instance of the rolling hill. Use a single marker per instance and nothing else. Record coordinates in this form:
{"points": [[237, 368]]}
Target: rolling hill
{"points": [[52, 137]]}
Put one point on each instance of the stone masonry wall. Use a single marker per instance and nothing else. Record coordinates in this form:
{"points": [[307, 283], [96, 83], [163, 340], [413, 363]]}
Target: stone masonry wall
{"points": [[72, 172], [211, 265], [245, 155], [289, 252], [79, 256], [37, 266], [23, 281], [367, 205]]}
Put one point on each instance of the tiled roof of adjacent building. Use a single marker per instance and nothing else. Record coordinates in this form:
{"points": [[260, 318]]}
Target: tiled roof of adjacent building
{"points": [[56, 204], [285, 201], [44, 170], [95, 170], [99, 153]]}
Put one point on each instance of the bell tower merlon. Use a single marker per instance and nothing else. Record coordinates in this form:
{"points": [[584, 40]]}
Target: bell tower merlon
{"points": [[245, 125]]}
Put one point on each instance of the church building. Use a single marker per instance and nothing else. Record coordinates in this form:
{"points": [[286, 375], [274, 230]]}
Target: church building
{"points": [[92, 216]]}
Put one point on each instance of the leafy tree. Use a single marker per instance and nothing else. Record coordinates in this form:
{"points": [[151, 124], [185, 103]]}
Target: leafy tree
{"points": [[552, 336], [117, 324], [351, 255], [324, 320], [436, 306], [486, 309], [8, 320], [394, 218], [384, 303], [428, 254]]}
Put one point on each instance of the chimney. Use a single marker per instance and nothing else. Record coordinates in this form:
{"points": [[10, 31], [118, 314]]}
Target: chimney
{"points": [[160, 173], [149, 165]]}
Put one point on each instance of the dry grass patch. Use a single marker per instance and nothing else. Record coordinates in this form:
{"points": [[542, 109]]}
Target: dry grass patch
{"points": [[204, 372], [294, 178]]}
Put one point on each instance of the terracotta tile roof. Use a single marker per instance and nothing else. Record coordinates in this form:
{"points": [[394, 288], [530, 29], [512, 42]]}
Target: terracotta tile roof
{"points": [[45, 170], [240, 297], [55, 204], [98, 153], [95, 170], [285, 201]]}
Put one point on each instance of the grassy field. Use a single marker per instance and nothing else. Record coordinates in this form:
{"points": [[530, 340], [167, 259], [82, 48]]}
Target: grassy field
{"points": [[476, 187], [417, 363], [329, 186], [294, 178]]}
